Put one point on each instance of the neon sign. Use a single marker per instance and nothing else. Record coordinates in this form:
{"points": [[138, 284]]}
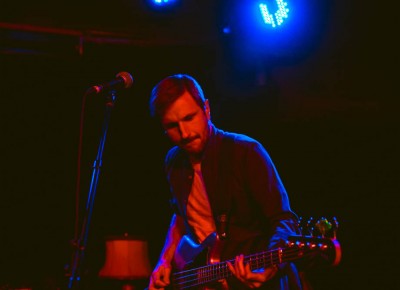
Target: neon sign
{"points": [[276, 18]]}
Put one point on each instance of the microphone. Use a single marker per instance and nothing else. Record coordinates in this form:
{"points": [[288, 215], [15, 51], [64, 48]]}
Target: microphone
{"points": [[122, 80]]}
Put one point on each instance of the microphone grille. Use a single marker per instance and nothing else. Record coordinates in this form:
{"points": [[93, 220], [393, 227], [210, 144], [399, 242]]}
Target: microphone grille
{"points": [[128, 79]]}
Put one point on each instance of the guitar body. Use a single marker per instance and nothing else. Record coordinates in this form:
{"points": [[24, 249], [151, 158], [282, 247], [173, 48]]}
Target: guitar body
{"points": [[190, 255]]}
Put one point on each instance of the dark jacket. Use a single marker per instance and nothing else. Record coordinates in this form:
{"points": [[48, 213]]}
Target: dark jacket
{"points": [[242, 184]]}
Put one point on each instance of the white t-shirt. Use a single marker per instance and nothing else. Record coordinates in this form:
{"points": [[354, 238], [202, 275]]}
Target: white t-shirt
{"points": [[199, 213]]}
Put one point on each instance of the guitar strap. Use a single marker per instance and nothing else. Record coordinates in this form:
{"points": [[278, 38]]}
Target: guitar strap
{"points": [[223, 194]]}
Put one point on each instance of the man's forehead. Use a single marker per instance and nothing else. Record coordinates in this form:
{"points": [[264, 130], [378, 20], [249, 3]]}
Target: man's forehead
{"points": [[183, 106]]}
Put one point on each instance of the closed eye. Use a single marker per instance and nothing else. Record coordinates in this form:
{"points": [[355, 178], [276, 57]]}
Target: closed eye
{"points": [[170, 126], [189, 117]]}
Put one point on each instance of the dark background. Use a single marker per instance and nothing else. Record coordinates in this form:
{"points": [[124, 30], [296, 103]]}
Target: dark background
{"points": [[324, 103]]}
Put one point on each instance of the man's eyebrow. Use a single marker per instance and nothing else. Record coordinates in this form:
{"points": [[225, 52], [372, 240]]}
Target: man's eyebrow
{"points": [[170, 124], [190, 115]]}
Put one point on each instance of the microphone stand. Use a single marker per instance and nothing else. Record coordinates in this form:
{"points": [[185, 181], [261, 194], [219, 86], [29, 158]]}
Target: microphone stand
{"points": [[81, 242]]}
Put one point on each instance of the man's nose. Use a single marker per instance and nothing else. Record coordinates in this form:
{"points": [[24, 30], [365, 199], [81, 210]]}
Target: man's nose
{"points": [[183, 130]]}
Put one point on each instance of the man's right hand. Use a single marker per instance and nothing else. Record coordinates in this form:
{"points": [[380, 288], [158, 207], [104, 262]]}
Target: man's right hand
{"points": [[160, 278]]}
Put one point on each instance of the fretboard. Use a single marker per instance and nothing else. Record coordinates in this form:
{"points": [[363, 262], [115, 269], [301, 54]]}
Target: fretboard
{"points": [[214, 272]]}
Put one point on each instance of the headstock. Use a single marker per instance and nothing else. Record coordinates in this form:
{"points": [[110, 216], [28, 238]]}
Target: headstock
{"points": [[318, 236], [322, 227]]}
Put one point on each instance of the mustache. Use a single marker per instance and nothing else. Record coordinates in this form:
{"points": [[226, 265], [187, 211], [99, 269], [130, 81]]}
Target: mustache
{"points": [[188, 140]]}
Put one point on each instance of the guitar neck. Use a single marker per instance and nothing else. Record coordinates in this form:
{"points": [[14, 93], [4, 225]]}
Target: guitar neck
{"points": [[214, 272], [296, 248]]}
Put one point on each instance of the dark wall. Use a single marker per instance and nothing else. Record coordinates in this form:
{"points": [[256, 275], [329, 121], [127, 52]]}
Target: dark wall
{"points": [[328, 118], [43, 101]]}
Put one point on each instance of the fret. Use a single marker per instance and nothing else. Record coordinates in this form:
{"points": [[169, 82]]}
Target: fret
{"points": [[271, 257], [216, 271]]}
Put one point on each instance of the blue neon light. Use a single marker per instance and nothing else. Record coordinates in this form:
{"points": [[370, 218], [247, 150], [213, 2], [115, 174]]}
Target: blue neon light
{"points": [[278, 17], [161, 2]]}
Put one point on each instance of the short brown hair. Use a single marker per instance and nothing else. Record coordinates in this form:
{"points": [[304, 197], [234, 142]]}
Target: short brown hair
{"points": [[171, 88]]}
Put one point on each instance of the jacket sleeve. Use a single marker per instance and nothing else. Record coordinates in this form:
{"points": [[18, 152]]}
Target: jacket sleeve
{"points": [[168, 164], [269, 192]]}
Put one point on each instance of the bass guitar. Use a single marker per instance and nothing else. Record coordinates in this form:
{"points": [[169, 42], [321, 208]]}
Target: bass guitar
{"points": [[185, 276]]}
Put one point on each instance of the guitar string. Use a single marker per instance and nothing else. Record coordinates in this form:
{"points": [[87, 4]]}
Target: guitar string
{"points": [[216, 271], [205, 276], [287, 253], [221, 268]]}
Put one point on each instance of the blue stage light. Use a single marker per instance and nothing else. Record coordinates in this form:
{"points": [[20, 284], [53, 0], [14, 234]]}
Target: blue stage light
{"points": [[163, 2], [277, 17]]}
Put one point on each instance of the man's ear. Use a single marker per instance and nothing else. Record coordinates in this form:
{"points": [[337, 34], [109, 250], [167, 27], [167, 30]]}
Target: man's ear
{"points": [[207, 109]]}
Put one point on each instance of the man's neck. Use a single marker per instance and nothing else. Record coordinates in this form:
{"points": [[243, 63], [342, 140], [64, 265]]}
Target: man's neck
{"points": [[195, 158]]}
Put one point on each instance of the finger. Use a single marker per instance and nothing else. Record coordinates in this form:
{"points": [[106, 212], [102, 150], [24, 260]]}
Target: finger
{"points": [[157, 281], [160, 284], [248, 272], [235, 269], [271, 271], [254, 277], [239, 266], [167, 274], [153, 286], [231, 268]]}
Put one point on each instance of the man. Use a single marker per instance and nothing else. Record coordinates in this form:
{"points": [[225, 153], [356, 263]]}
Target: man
{"points": [[223, 183]]}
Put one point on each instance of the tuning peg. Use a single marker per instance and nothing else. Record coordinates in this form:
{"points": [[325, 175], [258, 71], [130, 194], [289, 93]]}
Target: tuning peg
{"points": [[323, 226], [300, 224], [303, 226], [335, 226], [309, 230]]}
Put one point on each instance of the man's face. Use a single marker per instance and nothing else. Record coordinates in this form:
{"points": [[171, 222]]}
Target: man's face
{"points": [[187, 124]]}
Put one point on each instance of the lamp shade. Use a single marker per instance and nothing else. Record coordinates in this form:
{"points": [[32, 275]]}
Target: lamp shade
{"points": [[126, 258]]}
